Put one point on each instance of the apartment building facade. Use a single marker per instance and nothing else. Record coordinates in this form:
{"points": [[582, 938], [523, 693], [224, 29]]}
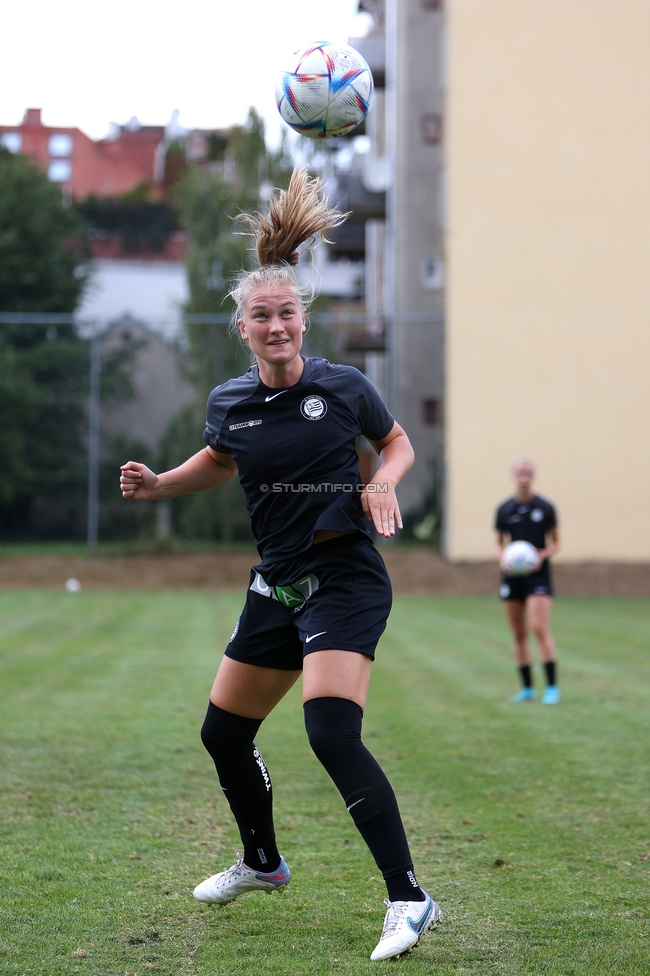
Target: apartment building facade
{"points": [[515, 252], [547, 147]]}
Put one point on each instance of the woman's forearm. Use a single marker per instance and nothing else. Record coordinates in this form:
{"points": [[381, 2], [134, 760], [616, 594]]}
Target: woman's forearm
{"points": [[206, 469], [198, 473], [549, 550], [378, 499], [551, 547], [396, 460]]}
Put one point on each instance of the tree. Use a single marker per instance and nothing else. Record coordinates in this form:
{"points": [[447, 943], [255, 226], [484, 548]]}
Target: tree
{"points": [[41, 256], [139, 220], [43, 396], [43, 368]]}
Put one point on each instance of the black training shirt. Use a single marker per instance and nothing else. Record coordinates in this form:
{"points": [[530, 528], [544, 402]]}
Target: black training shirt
{"points": [[527, 521], [295, 451]]}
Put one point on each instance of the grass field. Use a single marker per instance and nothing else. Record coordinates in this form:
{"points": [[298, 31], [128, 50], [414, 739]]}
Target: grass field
{"points": [[528, 824]]}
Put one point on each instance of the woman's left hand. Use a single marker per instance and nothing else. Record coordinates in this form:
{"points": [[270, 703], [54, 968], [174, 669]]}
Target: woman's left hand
{"points": [[380, 505], [378, 497]]}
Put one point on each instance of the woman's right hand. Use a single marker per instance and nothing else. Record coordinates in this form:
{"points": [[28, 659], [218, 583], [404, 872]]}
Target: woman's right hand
{"points": [[137, 482]]}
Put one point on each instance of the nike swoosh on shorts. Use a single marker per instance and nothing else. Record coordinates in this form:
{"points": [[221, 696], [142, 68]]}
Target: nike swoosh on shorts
{"points": [[311, 636]]}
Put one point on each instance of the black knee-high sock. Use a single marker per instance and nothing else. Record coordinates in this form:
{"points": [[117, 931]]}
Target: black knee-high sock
{"points": [[551, 672], [245, 781], [526, 675], [334, 729]]}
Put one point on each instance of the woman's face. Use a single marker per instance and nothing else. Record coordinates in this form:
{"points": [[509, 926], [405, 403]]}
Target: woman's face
{"points": [[523, 474], [273, 323]]}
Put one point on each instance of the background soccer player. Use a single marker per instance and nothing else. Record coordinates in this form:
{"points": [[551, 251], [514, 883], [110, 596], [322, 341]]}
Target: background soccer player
{"points": [[528, 599]]}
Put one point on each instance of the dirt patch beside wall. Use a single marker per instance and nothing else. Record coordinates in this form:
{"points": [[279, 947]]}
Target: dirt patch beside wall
{"points": [[412, 570]]}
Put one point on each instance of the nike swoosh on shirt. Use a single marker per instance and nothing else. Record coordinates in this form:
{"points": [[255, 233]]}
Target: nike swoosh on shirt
{"points": [[266, 399], [311, 636]]}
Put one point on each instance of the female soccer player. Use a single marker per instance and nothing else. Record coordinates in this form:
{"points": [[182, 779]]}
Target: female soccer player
{"points": [[528, 599], [317, 602]]}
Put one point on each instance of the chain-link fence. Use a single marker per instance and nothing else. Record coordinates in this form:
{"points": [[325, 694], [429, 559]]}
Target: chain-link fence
{"points": [[77, 396]]}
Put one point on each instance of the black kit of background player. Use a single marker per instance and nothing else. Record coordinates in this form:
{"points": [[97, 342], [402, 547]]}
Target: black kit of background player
{"points": [[528, 599]]}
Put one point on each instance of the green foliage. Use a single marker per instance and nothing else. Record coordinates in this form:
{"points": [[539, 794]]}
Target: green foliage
{"points": [[424, 522], [528, 824], [219, 514], [208, 199], [175, 164], [118, 519], [40, 242], [43, 370], [43, 381], [44, 375], [139, 220]]}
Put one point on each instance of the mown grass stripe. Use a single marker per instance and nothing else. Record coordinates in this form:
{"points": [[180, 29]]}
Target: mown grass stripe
{"points": [[528, 823]]}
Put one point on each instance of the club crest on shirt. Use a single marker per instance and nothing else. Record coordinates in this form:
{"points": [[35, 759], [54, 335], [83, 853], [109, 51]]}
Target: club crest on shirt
{"points": [[313, 408], [537, 515]]}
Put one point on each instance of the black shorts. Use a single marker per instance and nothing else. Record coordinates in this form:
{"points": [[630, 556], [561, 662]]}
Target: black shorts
{"points": [[337, 596], [520, 587]]}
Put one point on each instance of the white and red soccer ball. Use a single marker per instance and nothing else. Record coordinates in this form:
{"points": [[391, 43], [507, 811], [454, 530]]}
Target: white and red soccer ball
{"points": [[325, 91]]}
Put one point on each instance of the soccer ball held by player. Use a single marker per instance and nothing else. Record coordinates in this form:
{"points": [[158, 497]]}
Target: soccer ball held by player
{"points": [[528, 599]]}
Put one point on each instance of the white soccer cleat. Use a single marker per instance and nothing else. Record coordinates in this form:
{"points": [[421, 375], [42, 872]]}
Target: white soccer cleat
{"points": [[227, 885], [404, 925]]}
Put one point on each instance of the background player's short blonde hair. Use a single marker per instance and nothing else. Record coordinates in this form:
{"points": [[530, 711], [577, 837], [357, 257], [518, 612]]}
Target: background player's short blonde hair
{"points": [[522, 460]]}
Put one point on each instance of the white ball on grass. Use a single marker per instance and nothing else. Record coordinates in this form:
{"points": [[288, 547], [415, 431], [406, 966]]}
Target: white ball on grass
{"points": [[72, 585]]}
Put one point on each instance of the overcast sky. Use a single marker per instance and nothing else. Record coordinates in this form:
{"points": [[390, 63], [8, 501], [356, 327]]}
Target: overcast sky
{"points": [[91, 62]]}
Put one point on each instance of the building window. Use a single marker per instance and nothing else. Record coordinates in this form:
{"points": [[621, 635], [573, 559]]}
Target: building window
{"points": [[432, 413], [13, 141], [60, 144], [431, 128], [432, 273], [59, 171]]}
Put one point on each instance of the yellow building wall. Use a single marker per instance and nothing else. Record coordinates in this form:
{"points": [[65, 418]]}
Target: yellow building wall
{"points": [[548, 261]]}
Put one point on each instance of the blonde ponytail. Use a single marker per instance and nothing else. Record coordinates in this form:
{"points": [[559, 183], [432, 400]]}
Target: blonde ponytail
{"points": [[295, 215]]}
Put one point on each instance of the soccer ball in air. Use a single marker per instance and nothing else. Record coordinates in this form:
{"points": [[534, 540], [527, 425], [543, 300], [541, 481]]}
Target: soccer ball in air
{"points": [[325, 91], [519, 559]]}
